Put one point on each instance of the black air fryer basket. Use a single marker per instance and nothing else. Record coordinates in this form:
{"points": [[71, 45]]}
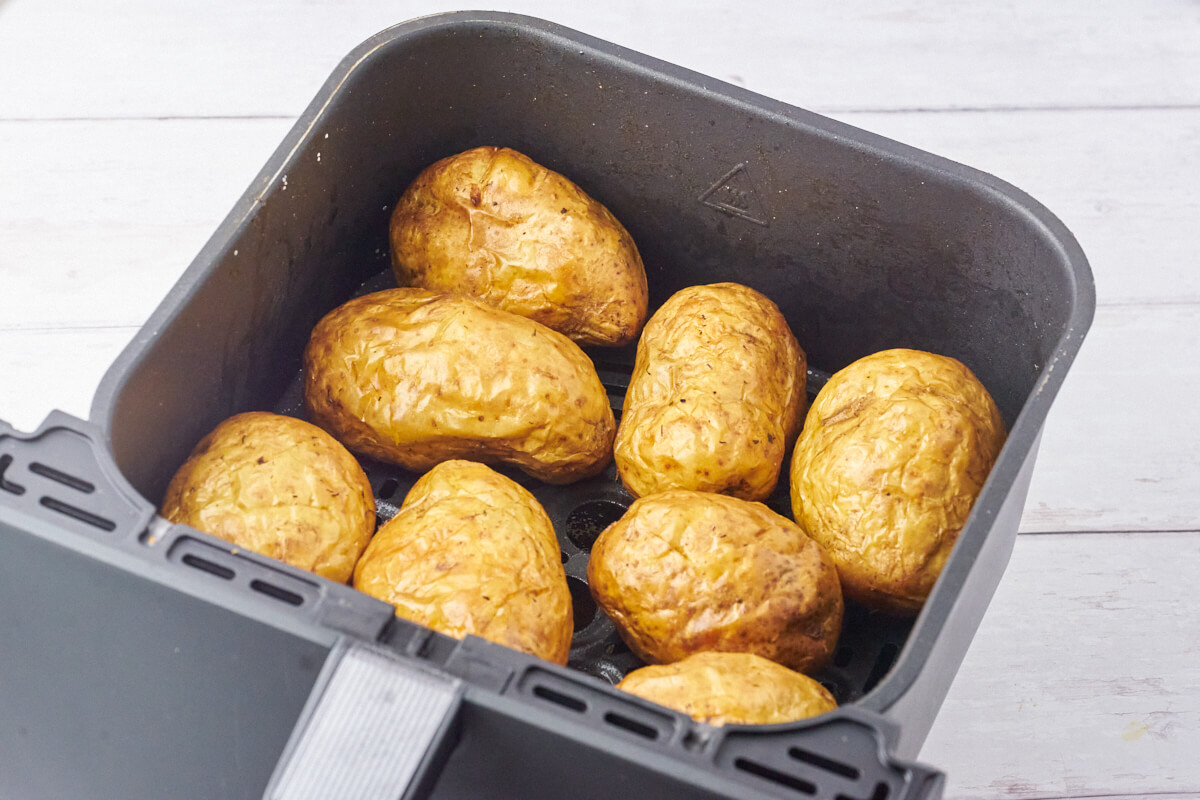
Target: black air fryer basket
{"points": [[140, 658]]}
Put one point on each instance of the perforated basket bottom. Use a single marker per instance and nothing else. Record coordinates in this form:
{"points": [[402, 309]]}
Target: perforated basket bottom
{"points": [[869, 642]]}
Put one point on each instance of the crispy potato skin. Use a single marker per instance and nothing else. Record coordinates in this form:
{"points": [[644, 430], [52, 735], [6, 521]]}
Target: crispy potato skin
{"points": [[895, 449], [716, 396], [471, 552], [493, 224], [416, 377], [280, 487], [683, 572], [731, 688]]}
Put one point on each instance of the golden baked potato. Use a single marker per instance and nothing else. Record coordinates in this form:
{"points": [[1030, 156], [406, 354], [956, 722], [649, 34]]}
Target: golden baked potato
{"points": [[733, 688], [715, 398], [683, 572], [416, 377], [472, 552], [280, 487], [895, 449], [493, 224]]}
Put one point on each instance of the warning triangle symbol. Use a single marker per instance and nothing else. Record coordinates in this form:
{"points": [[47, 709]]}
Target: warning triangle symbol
{"points": [[734, 193]]}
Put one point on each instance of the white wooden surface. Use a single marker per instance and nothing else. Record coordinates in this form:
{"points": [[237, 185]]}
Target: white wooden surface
{"points": [[129, 127]]}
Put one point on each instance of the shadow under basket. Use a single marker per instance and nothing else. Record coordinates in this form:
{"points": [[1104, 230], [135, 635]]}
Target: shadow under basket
{"points": [[179, 666]]}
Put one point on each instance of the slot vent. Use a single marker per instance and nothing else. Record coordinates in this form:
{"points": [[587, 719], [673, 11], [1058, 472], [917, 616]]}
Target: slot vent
{"points": [[775, 776], [558, 698], [632, 725], [77, 513]]}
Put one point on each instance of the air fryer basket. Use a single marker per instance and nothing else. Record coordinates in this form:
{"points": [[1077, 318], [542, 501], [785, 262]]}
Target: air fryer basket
{"points": [[864, 243]]}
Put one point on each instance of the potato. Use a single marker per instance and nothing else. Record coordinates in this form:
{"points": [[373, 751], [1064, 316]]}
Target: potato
{"points": [[683, 572], [716, 396], [894, 451], [472, 552], [416, 377], [280, 487], [737, 688], [493, 224]]}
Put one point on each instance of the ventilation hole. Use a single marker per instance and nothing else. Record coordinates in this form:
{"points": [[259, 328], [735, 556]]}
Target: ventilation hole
{"points": [[883, 662], [277, 592], [78, 484], [9, 486], [632, 725], [565, 557], [581, 602], [842, 657], [204, 565], [827, 764], [881, 793], [616, 648], [782, 778], [96, 521], [558, 698], [833, 687], [387, 489], [586, 522]]}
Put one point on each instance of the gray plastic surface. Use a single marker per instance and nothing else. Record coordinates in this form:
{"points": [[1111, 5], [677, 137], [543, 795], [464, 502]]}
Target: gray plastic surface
{"points": [[117, 686], [72, 475]]}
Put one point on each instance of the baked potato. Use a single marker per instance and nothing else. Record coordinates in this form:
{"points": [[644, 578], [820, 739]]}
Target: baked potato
{"points": [[416, 377], [895, 449], [731, 688], [470, 551], [716, 396], [493, 224], [280, 487], [683, 572]]}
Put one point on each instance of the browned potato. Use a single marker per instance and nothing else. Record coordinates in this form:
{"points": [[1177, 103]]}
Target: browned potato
{"points": [[416, 377], [280, 487], [473, 552], [895, 449], [715, 398], [683, 572], [493, 224], [734, 688]]}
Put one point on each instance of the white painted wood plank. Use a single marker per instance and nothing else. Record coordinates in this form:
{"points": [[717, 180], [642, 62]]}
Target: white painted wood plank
{"points": [[41, 370], [1119, 450], [99, 219], [241, 57], [1082, 679]]}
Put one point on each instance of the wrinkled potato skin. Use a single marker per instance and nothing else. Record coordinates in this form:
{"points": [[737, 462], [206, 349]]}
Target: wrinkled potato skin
{"points": [[731, 688], [716, 396], [471, 552], [415, 377], [493, 224], [895, 449], [278, 486], [683, 572]]}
